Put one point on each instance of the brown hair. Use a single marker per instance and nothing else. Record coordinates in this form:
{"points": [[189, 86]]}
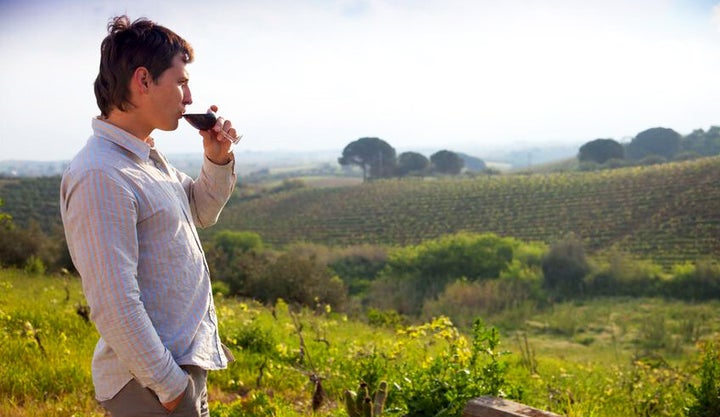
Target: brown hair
{"points": [[128, 47]]}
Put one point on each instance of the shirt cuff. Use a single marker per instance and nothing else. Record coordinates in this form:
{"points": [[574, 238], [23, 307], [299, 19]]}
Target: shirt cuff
{"points": [[175, 384], [229, 164], [220, 173]]}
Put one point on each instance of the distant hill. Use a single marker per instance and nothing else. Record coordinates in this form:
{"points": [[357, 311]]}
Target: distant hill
{"points": [[33, 199], [190, 163], [666, 212], [250, 162]]}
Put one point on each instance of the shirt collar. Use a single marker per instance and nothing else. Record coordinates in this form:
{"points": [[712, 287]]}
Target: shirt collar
{"points": [[122, 138]]}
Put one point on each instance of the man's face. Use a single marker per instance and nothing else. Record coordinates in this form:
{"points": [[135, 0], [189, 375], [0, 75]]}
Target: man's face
{"points": [[170, 94]]}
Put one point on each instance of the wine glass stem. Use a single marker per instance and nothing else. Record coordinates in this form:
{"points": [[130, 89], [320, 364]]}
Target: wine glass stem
{"points": [[230, 138]]}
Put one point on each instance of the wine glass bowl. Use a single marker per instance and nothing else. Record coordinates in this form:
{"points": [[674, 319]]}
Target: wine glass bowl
{"points": [[201, 121], [206, 121]]}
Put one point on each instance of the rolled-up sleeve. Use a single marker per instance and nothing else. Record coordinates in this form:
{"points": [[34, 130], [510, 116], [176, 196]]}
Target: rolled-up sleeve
{"points": [[210, 192]]}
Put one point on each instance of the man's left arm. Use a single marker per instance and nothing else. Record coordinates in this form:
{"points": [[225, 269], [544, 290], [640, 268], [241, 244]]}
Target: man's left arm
{"points": [[209, 193]]}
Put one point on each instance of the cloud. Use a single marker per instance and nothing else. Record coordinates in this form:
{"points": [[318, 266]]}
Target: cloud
{"points": [[716, 16]]}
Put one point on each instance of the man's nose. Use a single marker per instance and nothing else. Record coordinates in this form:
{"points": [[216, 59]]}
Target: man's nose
{"points": [[187, 96]]}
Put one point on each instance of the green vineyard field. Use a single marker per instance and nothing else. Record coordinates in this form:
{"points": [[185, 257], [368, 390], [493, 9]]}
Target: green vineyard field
{"points": [[668, 213]]}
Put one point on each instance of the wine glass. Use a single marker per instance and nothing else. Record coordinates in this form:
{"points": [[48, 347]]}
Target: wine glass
{"points": [[206, 121]]}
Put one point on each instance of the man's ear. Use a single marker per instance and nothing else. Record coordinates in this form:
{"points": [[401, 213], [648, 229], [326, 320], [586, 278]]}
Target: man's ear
{"points": [[141, 79]]}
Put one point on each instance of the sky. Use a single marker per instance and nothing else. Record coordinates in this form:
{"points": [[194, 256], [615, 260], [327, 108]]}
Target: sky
{"points": [[423, 75]]}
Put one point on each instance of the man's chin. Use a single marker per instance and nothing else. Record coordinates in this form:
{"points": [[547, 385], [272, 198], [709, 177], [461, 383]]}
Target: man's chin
{"points": [[170, 127]]}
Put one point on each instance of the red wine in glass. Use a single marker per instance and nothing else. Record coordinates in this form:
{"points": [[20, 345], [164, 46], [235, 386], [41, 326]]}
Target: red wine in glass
{"points": [[206, 121]]}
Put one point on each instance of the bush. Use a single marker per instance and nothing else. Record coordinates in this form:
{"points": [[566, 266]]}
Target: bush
{"points": [[433, 264], [459, 373], [300, 280], [464, 301], [239, 270], [623, 275], [230, 242], [387, 318], [34, 265], [391, 293], [698, 281], [358, 267], [707, 394], [565, 267]]}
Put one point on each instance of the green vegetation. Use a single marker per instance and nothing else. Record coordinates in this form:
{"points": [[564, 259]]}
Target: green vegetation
{"points": [[597, 289], [666, 213], [30, 200], [656, 145], [603, 357]]}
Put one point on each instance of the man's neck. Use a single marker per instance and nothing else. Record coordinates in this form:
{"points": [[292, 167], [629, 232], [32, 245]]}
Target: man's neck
{"points": [[128, 122]]}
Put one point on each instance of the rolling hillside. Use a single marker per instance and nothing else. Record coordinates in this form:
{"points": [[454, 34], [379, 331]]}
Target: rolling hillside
{"points": [[667, 212]]}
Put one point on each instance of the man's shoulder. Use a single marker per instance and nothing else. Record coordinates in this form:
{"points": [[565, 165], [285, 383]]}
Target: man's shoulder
{"points": [[99, 154]]}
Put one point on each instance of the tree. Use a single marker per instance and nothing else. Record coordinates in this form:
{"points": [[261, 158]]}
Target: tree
{"points": [[412, 163], [702, 142], [601, 151], [375, 156], [655, 141], [472, 163], [447, 162]]}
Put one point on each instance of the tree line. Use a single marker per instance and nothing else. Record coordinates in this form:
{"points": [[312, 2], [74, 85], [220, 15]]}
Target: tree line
{"points": [[377, 159], [651, 146]]}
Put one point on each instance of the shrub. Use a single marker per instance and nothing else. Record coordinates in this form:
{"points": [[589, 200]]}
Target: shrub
{"points": [[300, 280], [564, 268], [387, 318], [358, 267], [459, 373], [391, 293], [698, 281], [220, 288], [239, 270], [433, 264], [34, 265], [463, 301], [624, 275], [230, 242], [19, 246], [707, 394]]}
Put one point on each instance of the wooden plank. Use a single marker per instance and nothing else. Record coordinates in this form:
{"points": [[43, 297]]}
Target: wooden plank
{"points": [[487, 406]]}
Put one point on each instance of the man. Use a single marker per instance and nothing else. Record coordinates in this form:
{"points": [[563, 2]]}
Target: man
{"points": [[130, 221]]}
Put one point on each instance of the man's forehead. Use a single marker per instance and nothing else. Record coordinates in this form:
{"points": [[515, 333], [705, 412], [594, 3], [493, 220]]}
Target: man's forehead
{"points": [[179, 66]]}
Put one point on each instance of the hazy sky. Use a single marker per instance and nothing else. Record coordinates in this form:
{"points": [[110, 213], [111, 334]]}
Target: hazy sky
{"points": [[423, 75]]}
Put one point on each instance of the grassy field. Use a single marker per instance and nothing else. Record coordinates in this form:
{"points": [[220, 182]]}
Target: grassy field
{"points": [[606, 357]]}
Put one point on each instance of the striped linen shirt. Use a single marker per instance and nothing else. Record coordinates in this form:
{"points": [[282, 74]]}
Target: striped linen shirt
{"points": [[130, 228]]}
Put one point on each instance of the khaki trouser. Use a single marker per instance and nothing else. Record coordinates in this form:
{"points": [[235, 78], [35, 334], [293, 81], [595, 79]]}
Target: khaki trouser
{"points": [[134, 400]]}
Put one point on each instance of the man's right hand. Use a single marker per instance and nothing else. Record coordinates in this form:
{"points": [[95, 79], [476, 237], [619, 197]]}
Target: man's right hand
{"points": [[172, 405]]}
